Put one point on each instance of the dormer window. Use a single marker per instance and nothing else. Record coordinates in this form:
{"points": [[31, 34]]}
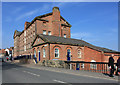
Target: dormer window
{"points": [[44, 23], [44, 32], [64, 35]]}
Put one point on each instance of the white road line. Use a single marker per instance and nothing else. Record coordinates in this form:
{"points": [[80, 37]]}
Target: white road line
{"points": [[75, 74], [24, 71], [59, 81], [31, 73]]}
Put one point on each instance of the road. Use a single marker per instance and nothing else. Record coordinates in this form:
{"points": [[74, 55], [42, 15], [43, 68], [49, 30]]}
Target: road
{"points": [[12, 73]]}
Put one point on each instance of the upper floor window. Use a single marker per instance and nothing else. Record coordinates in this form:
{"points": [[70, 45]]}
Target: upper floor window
{"points": [[64, 35], [24, 48], [79, 53], [49, 32], [44, 54], [56, 52], [44, 32], [24, 33]]}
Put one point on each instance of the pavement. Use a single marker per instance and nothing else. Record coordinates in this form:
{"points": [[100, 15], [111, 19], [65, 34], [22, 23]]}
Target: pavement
{"points": [[30, 73]]}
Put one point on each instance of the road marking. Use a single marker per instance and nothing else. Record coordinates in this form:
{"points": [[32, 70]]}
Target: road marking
{"points": [[24, 71], [59, 81], [74, 74], [31, 73]]}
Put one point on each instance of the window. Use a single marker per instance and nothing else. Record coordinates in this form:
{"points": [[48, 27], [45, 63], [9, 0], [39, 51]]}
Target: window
{"points": [[24, 33], [44, 32], [56, 52], [24, 48], [93, 66], [82, 65], [44, 54], [79, 53], [24, 40], [64, 35], [49, 32], [34, 53]]}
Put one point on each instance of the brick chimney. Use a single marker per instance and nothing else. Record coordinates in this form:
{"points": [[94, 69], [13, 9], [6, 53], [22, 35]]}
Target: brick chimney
{"points": [[26, 24], [56, 22]]}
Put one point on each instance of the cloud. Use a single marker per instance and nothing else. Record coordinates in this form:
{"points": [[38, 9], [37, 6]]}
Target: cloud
{"points": [[43, 9], [60, 4], [27, 14], [17, 9], [81, 35], [8, 19]]}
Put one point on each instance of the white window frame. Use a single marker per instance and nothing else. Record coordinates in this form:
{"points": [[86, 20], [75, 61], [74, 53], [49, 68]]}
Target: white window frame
{"points": [[49, 32], [24, 33], [82, 65], [57, 53], [44, 32], [24, 40], [79, 53], [93, 66], [64, 35], [44, 53], [24, 47]]}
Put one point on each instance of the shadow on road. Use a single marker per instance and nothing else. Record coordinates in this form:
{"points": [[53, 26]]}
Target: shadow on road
{"points": [[8, 66]]}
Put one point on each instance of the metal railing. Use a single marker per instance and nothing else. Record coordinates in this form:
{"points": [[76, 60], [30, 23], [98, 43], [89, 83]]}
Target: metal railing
{"points": [[101, 67]]}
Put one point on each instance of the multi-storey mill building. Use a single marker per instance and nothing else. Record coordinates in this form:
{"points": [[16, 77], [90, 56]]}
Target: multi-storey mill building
{"points": [[49, 24]]}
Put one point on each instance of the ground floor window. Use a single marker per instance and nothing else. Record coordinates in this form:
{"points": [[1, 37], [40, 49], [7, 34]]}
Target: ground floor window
{"points": [[93, 66], [44, 53], [82, 65], [56, 52]]}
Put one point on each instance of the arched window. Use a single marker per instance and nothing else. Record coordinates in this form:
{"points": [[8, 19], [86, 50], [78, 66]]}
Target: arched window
{"points": [[93, 66], [79, 53], [44, 54], [68, 53], [56, 52], [34, 53]]}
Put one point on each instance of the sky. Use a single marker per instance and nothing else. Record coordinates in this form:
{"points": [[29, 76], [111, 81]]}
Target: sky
{"points": [[94, 22]]}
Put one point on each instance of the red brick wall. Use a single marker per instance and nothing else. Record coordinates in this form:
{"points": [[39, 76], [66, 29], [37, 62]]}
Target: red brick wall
{"points": [[106, 58], [62, 52], [90, 54]]}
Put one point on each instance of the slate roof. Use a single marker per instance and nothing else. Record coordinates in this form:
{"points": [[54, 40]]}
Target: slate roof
{"points": [[71, 41], [18, 32]]}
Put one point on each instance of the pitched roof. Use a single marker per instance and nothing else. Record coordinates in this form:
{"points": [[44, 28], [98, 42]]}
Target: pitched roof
{"points": [[17, 33], [40, 18], [71, 41]]}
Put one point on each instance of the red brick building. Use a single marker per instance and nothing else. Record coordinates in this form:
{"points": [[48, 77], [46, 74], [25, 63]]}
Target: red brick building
{"points": [[48, 37]]}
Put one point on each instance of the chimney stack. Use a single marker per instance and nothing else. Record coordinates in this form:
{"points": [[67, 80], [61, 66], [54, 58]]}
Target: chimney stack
{"points": [[56, 22]]}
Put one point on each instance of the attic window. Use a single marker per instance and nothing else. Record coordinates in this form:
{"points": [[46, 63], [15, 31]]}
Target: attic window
{"points": [[44, 23]]}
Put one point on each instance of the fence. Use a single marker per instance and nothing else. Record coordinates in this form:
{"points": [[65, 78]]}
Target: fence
{"points": [[101, 67]]}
